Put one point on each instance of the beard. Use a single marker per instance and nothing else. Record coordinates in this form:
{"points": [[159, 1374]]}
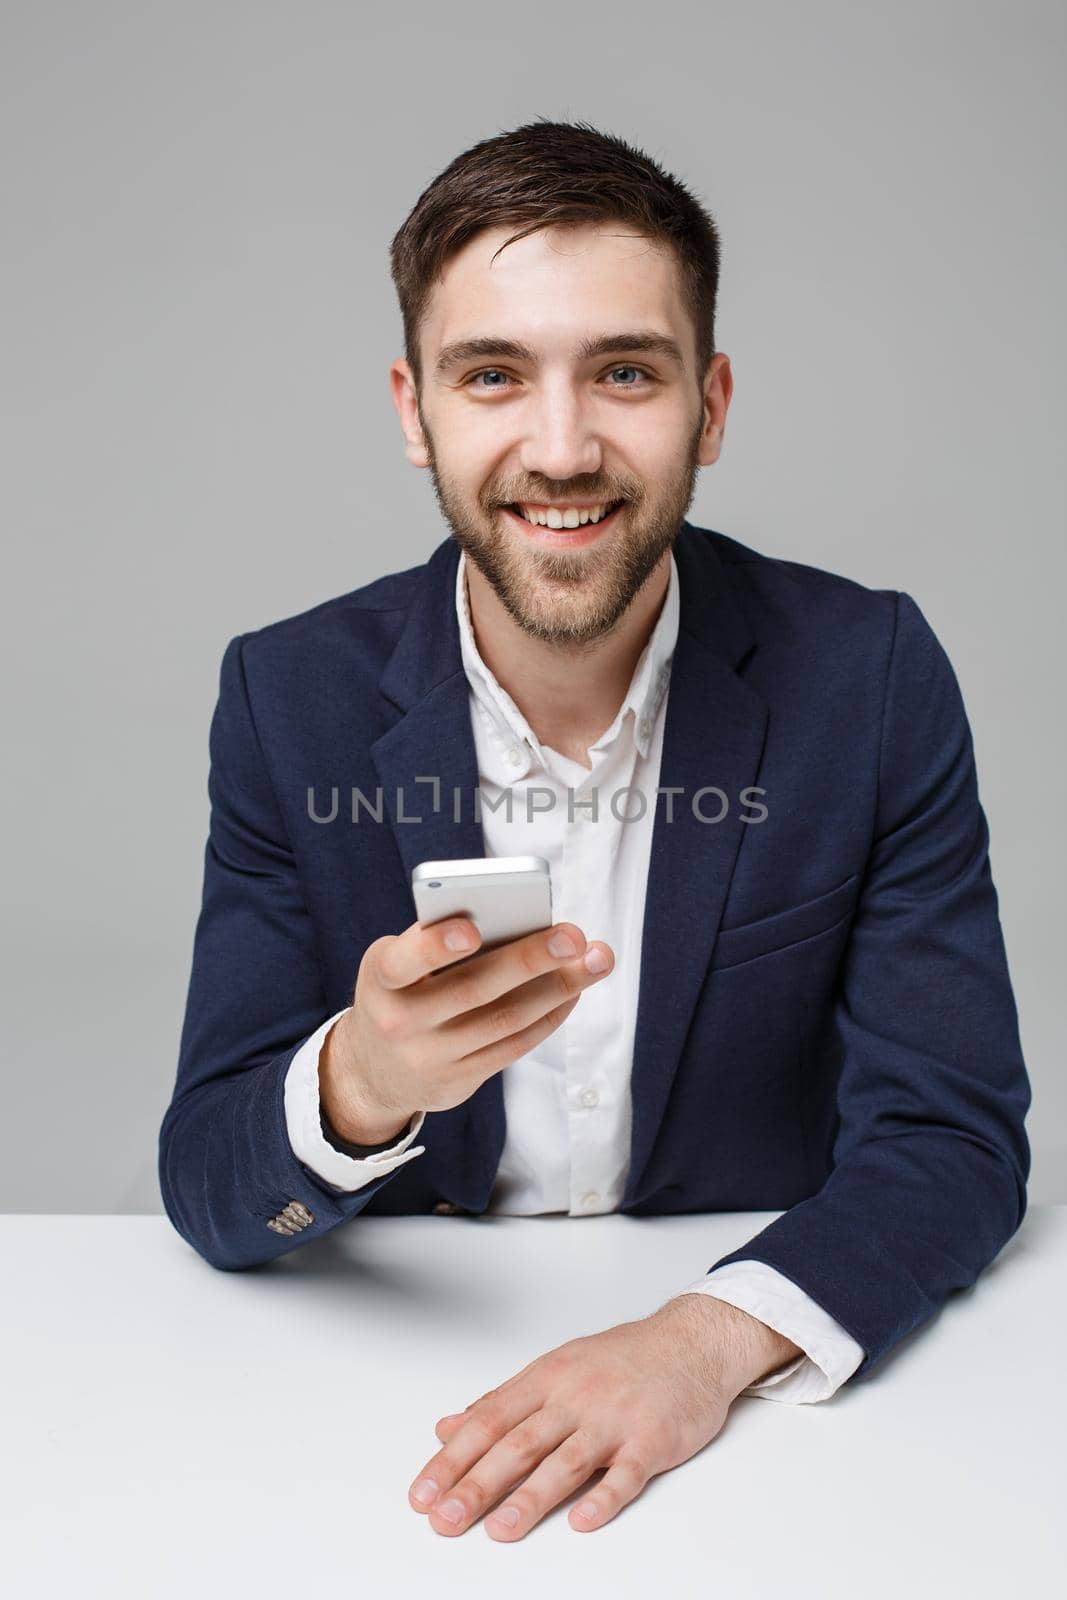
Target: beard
{"points": [[570, 597]]}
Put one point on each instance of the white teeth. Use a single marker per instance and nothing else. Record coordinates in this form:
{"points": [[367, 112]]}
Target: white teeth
{"points": [[570, 517]]}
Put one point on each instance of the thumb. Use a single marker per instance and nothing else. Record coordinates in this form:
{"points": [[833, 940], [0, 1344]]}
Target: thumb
{"points": [[447, 1426]]}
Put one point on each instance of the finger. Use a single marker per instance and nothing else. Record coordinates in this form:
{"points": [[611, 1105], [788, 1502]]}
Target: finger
{"points": [[483, 1424], [559, 1475], [480, 1063], [498, 973], [447, 1426], [496, 1472], [622, 1482], [398, 960], [510, 1013]]}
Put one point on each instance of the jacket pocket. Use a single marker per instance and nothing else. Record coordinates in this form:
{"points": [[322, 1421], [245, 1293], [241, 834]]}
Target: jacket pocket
{"points": [[783, 929]]}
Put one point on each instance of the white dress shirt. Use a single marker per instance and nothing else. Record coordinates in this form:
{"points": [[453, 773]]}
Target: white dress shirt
{"points": [[567, 1101]]}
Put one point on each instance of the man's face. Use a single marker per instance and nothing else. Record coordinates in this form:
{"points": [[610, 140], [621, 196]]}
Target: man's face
{"points": [[550, 425]]}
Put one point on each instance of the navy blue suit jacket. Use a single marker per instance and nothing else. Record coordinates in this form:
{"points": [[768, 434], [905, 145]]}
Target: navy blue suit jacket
{"points": [[826, 1024]]}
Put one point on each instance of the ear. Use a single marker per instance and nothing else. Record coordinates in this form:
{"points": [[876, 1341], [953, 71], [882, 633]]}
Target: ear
{"points": [[718, 388], [402, 382]]}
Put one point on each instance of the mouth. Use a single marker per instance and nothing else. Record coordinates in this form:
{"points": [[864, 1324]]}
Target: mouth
{"points": [[564, 538]]}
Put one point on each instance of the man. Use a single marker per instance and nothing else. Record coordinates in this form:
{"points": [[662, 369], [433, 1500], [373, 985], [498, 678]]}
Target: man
{"points": [[794, 993]]}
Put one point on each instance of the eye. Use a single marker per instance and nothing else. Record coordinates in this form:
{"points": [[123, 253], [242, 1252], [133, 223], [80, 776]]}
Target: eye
{"points": [[488, 372], [640, 372], [501, 387]]}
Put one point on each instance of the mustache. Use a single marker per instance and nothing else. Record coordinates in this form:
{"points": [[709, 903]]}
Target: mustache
{"points": [[559, 496]]}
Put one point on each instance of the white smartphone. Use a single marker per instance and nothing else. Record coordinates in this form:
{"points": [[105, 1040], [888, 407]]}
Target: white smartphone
{"points": [[504, 896]]}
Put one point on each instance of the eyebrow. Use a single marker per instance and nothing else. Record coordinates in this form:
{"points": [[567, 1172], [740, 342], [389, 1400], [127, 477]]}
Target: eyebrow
{"points": [[605, 344]]}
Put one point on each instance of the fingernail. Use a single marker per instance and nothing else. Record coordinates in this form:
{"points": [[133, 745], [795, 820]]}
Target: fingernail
{"points": [[588, 1510], [508, 1515], [452, 1511], [458, 939], [424, 1491], [596, 961], [561, 944]]}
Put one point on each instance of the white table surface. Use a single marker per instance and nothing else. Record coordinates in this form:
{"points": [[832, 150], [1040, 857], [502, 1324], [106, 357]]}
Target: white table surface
{"points": [[172, 1430]]}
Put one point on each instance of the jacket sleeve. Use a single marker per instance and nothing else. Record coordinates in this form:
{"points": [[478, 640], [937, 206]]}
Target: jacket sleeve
{"points": [[930, 1156], [226, 1165]]}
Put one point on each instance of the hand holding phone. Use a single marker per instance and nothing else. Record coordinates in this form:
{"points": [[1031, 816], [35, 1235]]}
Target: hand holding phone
{"points": [[434, 1014]]}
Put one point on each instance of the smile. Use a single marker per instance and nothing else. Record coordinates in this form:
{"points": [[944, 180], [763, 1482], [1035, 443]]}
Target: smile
{"points": [[561, 536]]}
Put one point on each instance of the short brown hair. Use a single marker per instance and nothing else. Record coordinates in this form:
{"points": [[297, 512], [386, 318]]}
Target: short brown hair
{"points": [[547, 173]]}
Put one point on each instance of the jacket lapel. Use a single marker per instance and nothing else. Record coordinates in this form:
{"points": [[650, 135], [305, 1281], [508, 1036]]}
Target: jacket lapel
{"points": [[433, 740], [713, 736]]}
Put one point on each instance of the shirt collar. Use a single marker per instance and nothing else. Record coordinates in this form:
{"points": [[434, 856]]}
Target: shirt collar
{"points": [[647, 686]]}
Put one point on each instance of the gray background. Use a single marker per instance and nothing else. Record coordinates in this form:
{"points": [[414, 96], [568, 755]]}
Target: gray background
{"points": [[198, 324]]}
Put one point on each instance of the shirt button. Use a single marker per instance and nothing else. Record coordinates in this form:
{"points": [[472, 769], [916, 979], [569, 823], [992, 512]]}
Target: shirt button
{"points": [[589, 1097], [590, 1200], [514, 756], [645, 728]]}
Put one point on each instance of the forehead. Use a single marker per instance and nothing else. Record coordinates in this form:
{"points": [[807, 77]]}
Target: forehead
{"points": [[553, 282]]}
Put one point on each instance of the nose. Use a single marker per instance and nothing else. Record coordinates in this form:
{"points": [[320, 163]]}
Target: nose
{"points": [[560, 442]]}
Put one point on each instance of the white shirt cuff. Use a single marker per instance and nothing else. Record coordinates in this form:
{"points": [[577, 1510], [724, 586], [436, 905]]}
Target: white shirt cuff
{"points": [[830, 1354], [303, 1124]]}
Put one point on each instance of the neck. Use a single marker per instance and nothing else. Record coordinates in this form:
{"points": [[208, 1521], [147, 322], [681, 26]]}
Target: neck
{"points": [[542, 678]]}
